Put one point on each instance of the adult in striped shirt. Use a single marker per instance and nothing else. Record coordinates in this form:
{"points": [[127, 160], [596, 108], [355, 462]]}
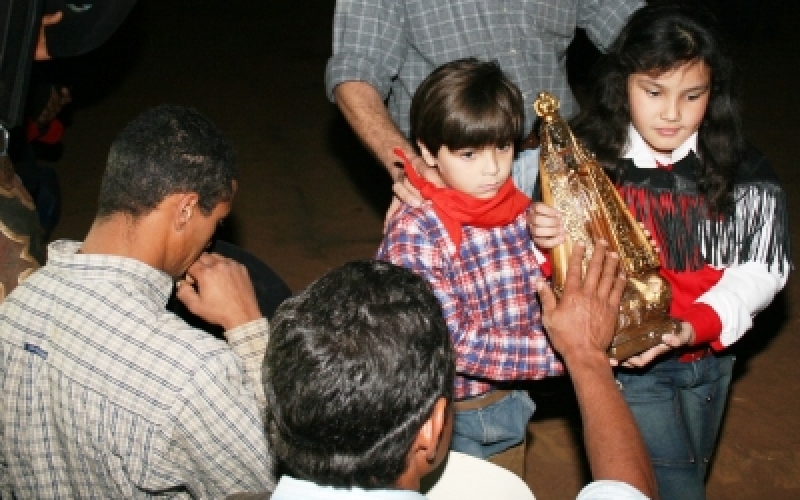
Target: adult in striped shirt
{"points": [[106, 394]]}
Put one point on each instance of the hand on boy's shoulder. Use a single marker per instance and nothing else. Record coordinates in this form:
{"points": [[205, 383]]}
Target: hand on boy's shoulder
{"points": [[405, 192]]}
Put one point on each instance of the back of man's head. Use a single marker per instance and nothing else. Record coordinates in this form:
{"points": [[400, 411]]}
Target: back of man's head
{"points": [[163, 151], [354, 367]]}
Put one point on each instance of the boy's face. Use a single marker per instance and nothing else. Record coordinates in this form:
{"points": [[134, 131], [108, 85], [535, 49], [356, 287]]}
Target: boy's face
{"points": [[478, 172], [666, 109]]}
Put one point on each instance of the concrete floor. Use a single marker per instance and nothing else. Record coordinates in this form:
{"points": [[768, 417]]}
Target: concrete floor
{"points": [[311, 198]]}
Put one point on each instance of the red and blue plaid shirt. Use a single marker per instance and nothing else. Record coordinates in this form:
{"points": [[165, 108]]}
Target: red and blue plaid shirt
{"points": [[487, 292]]}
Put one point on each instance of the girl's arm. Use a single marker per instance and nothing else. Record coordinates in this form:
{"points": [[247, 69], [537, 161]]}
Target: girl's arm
{"points": [[743, 291]]}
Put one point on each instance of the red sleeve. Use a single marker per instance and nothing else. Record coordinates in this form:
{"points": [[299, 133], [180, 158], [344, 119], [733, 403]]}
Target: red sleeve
{"points": [[706, 323]]}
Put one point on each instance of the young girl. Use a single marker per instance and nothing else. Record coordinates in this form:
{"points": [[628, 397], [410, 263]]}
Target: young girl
{"points": [[664, 122]]}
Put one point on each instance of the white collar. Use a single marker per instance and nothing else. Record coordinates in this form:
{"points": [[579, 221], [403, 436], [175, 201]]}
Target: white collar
{"points": [[289, 488], [644, 157]]}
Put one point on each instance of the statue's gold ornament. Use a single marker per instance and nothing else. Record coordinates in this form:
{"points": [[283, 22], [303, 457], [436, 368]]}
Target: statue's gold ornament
{"points": [[573, 182]]}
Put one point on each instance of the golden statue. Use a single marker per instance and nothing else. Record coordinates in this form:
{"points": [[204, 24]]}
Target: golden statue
{"points": [[573, 182]]}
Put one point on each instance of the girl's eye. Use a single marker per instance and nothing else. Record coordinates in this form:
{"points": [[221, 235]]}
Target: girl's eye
{"points": [[693, 97], [504, 147]]}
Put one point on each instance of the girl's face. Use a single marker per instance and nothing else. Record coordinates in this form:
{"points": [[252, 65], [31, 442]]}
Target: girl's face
{"points": [[667, 108], [479, 172]]}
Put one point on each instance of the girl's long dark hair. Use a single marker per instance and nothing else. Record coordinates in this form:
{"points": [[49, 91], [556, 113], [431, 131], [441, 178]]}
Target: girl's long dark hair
{"points": [[658, 38]]}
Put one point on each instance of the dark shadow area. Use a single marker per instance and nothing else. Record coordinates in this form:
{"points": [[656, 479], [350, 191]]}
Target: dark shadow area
{"points": [[367, 174], [767, 325], [555, 399], [94, 76]]}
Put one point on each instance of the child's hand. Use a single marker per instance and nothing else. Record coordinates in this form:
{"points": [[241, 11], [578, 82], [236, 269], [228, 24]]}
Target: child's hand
{"points": [[547, 229], [668, 342], [649, 236]]}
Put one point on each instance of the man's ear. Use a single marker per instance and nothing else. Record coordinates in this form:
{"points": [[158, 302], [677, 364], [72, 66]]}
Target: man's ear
{"points": [[429, 438], [426, 154], [185, 208], [429, 447]]}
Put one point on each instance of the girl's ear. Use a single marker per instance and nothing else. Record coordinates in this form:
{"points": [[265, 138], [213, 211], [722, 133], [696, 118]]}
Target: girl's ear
{"points": [[426, 155]]}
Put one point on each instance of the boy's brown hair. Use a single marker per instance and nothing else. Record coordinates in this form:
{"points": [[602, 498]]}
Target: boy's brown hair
{"points": [[467, 103]]}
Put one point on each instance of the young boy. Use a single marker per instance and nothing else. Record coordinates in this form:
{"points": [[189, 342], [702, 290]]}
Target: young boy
{"points": [[471, 243]]}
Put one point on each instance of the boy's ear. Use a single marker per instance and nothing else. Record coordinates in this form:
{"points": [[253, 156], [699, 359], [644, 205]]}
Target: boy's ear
{"points": [[426, 155]]}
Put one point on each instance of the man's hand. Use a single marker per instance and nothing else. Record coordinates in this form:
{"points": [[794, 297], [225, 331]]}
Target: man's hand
{"points": [[219, 290], [668, 342], [42, 54], [547, 228], [582, 323], [404, 192]]}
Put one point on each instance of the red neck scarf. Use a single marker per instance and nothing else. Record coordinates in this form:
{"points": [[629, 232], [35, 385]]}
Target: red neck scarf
{"points": [[456, 209]]}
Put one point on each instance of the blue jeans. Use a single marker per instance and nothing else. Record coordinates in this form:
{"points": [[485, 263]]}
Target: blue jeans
{"points": [[679, 407], [493, 429]]}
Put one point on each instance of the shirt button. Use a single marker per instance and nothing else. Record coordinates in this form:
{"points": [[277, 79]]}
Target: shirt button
{"points": [[513, 51]]}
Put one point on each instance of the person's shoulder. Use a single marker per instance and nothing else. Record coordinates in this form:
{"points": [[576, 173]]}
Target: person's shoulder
{"points": [[420, 219]]}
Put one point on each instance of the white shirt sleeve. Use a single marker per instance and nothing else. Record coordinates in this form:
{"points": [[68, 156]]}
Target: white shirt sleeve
{"points": [[742, 292], [610, 490]]}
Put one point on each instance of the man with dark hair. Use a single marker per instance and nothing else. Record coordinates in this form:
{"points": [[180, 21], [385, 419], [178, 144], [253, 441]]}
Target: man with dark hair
{"points": [[359, 372], [106, 393], [377, 364]]}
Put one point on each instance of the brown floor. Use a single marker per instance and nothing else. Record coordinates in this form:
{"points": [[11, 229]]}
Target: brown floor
{"points": [[311, 198]]}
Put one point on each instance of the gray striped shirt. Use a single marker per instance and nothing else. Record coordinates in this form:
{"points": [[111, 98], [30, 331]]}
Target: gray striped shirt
{"points": [[394, 44], [105, 394]]}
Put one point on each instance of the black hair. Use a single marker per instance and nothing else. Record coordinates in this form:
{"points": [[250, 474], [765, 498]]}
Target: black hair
{"points": [[658, 38], [166, 150], [354, 366], [467, 103]]}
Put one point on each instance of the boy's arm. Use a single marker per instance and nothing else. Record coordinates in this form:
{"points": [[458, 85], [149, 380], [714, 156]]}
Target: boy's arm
{"points": [[580, 327]]}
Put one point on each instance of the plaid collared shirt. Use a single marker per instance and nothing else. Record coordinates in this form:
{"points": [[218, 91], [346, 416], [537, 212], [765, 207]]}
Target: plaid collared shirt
{"points": [[487, 294], [105, 394], [394, 44]]}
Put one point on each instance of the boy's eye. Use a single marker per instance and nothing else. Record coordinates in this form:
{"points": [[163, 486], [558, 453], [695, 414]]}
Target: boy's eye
{"points": [[467, 154], [504, 147], [652, 93]]}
